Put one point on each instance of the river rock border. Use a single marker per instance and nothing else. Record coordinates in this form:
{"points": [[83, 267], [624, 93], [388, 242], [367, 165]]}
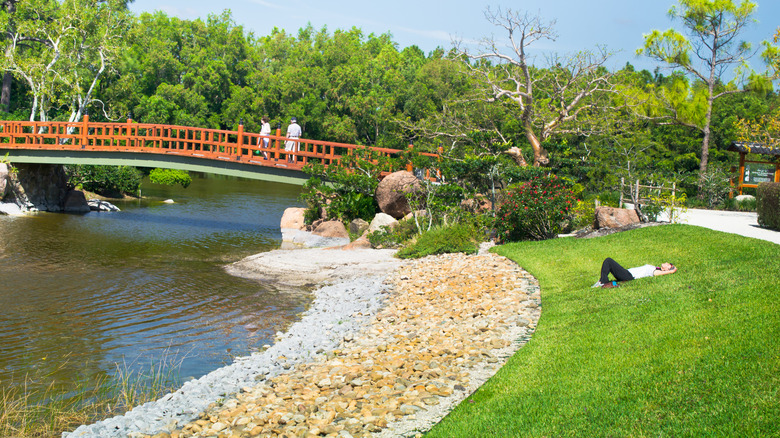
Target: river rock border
{"points": [[450, 322]]}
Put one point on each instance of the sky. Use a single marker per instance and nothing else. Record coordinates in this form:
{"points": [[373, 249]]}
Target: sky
{"points": [[581, 25]]}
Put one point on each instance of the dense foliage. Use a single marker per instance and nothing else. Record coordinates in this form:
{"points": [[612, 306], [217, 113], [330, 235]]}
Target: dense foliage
{"points": [[535, 210], [768, 205], [170, 177], [113, 181], [346, 86], [443, 240]]}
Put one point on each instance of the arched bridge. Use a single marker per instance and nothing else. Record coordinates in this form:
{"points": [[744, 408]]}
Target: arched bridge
{"points": [[224, 152]]}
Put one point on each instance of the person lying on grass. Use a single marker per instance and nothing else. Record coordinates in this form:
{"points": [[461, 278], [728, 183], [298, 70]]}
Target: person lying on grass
{"points": [[620, 273]]}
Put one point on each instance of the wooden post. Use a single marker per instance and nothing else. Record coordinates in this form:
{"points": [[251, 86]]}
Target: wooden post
{"points": [[240, 140], [84, 130], [741, 176], [276, 148], [409, 165], [636, 198]]}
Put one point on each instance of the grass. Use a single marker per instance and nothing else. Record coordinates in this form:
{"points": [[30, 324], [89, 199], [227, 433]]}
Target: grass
{"points": [[694, 354], [32, 409]]}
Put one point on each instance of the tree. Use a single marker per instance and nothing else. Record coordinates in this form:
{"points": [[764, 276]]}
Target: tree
{"points": [[712, 46], [61, 50], [563, 98]]}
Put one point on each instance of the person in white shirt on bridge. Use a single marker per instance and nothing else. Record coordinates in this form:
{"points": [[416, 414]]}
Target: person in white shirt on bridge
{"points": [[620, 273], [265, 131], [293, 131]]}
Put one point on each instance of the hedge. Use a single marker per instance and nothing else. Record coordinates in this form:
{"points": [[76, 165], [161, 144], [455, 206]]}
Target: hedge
{"points": [[768, 205]]}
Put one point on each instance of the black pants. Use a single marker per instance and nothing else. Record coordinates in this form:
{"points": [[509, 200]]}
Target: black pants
{"points": [[612, 267]]}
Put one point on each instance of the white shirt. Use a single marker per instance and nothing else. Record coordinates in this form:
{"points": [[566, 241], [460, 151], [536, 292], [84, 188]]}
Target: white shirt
{"points": [[294, 130], [265, 129], [642, 271]]}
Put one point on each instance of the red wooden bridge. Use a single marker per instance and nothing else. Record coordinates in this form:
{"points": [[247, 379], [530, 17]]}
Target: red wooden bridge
{"points": [[224, 152]]}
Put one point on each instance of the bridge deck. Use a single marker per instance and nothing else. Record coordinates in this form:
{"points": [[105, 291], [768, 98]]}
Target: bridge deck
{"points": [[179, 147]]}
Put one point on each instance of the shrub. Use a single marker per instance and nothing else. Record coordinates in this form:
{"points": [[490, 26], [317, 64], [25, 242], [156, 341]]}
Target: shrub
{"points": [[714, 186], [105, 180], [535, 210], [393, 237], [768, 205], [584, 211], [170, 177], [442, 240], [352, 205]]}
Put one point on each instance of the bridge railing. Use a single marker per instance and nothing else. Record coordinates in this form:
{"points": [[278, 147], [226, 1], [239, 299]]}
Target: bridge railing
{"points": [[207, 143]]}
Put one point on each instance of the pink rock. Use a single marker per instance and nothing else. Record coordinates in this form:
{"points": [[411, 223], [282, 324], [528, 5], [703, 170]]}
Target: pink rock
{"points": [[390, 194], [331, 229], [611, 217], [293, 218]]}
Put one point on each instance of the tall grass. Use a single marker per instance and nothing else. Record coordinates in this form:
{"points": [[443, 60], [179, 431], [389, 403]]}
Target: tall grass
{"points": [[692, 354], [31, 409]]}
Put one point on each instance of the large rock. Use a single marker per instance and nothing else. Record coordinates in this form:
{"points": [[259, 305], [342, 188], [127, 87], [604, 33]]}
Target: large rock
{"points": [[611, 217], [390, 194], [75, 202], [3, 179], [742, 198], [478, 204], [381, 220], [331, 229], [38, 187], [358, 226], [293, 218], [360, 243]]}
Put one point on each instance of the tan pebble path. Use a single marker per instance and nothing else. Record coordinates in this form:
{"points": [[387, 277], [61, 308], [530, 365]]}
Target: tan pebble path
{"points": [[450, 322]]}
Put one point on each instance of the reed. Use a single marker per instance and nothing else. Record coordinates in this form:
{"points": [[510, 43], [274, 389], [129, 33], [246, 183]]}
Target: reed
{"points": [[32, 409]]}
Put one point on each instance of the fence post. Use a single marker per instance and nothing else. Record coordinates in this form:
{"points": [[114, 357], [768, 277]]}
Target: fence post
{"points": [[84, 130], [409, 165], [622, 188], [276, 149], [240, 139], [636, 202]]}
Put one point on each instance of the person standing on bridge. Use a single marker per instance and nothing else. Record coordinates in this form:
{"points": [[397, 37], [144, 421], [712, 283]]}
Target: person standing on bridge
{"points": [[265, 131], [294, 131]]}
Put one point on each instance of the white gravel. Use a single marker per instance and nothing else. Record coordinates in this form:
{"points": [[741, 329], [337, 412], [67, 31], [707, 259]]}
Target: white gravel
{"points": [[353, 292]]}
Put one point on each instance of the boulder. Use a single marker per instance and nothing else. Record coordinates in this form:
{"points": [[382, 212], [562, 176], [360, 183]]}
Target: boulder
{"points": [[610, 217], [331, 229], [3, 179], [360, 243], [358, 226], [10, 209], [293, 218], [381, 220], [391, 191], [75, 202], [742, 198], [418, 213], [478, 204], [100, 205]]}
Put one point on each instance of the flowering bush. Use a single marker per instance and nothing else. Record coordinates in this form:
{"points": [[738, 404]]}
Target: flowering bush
{"points": [[535, 210]]}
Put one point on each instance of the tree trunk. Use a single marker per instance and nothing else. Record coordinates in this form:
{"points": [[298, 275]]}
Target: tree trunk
{"points": [[705, 144], [5, 97], [540, 155]]}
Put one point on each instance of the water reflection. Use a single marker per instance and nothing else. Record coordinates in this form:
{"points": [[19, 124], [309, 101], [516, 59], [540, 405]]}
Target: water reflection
{"points": [[80, 293]]}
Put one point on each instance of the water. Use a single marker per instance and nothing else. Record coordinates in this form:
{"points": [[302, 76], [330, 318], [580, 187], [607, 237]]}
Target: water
{"points": [[81, 293]]}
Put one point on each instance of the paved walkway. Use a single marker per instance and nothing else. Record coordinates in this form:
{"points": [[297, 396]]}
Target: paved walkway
{"points": [[737, 222]]}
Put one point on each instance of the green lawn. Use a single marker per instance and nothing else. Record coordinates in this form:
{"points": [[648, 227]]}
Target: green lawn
{"points": [[692, 354]]}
